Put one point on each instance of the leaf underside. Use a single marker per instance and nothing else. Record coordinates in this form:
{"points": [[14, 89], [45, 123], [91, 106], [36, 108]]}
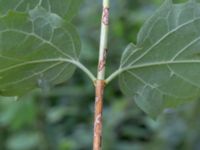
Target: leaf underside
{"points": [[162, 70], [64, 8], [37, 47]]}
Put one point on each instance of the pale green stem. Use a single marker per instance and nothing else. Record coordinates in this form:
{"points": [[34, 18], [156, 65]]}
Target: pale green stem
{"points": [[103, 41]]}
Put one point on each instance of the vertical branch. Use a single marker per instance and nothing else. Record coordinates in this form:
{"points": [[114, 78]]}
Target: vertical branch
{"points": [[100, 83], [98, 115]]}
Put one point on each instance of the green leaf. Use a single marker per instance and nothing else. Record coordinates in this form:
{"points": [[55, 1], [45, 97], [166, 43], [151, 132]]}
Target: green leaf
{"points": [[36, 50], [63, 8], [163, 69]]}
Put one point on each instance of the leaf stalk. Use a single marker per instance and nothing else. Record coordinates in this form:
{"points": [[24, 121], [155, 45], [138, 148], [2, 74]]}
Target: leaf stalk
{"points": [[84, 69]]}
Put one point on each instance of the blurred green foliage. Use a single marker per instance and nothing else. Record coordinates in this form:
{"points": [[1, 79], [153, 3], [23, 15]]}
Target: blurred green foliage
{"points": [[62, 118]]}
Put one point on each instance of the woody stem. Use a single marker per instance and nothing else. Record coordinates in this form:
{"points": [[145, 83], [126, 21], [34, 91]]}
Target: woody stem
{"points": [[100, 83]]}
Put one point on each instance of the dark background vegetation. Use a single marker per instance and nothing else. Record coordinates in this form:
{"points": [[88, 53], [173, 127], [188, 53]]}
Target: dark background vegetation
{"points": [[61, 118]]}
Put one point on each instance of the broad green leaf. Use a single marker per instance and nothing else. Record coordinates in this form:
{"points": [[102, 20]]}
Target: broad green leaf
{"points": [[63, 8], [36, 50], [163, 68]]}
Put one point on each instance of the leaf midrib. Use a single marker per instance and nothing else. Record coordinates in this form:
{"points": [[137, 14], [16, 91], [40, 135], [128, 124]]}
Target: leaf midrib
{"points": [[38, 61], [144, 65]]}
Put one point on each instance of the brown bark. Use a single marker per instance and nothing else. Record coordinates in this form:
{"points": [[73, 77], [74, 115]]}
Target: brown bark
{"points": [[97, 139]]}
